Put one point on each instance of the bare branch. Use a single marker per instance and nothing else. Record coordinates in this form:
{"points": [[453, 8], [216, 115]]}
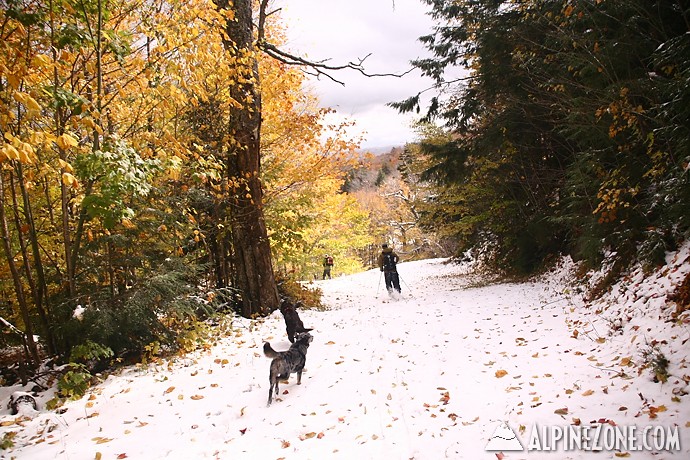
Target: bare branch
{"points": [[262, 20], [321, 68]]}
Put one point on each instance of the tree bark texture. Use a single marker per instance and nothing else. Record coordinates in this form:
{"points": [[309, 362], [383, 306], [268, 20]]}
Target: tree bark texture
{"points": [[251, 252]]}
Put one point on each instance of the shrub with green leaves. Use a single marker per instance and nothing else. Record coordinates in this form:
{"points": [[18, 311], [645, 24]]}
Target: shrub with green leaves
{"points": [[158, 310], [73, 384]]}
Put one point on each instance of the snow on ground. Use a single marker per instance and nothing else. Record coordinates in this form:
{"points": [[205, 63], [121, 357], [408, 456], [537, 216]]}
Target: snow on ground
{"points": [[453, 366]]}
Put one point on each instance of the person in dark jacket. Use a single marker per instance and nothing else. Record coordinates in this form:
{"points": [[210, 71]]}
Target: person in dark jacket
{"points": [[388, 261]]}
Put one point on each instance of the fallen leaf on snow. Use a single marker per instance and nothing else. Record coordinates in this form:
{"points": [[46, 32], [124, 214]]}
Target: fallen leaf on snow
{"points": [[563, 411], [654, 410], [501, 373], [101, 440], [588, 393], [197, 397], [169, 390]]}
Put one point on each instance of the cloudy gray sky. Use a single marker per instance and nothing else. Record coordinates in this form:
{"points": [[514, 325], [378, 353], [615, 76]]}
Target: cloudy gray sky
{"points": [[347, 30]]}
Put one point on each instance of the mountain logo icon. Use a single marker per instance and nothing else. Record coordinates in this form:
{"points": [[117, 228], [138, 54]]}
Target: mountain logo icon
{"points": [[504, 439]]}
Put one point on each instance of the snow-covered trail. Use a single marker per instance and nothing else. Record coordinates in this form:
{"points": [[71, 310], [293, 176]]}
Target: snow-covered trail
{"points": [[429, 376]]}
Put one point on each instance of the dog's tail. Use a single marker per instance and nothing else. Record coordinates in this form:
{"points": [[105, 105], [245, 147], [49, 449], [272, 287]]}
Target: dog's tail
{"points": [[269, 351]]}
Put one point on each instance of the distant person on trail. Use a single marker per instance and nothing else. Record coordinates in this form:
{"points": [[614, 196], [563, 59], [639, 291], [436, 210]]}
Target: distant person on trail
{"points": [[388, 261], [327, 264]]}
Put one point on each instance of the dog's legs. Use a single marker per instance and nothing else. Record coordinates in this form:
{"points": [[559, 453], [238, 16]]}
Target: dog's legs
{"points": [[299, 377], [270, 394]]}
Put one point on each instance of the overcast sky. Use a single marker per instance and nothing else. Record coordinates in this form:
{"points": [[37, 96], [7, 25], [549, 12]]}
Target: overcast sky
{"points": [[347, 30]]}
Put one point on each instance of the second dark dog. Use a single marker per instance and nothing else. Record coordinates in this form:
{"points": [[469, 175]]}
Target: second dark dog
{"points": [[287, 362], [293, 324]]}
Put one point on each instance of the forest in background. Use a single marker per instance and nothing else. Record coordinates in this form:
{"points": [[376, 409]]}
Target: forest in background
{"points": [[569, 134]]}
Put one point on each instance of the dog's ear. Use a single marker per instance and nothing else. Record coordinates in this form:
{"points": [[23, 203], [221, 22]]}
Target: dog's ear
{"points": [[305, 336]]}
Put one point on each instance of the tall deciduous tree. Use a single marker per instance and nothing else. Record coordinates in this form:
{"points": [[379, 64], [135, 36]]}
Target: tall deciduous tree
{"points": [[251, 251]]}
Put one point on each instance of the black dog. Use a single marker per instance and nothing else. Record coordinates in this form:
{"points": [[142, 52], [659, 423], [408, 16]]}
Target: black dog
{"points": [[293, 324], [287, 362]]}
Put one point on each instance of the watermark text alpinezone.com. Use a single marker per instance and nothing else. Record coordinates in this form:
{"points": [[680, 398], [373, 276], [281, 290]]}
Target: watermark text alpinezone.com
{"points": [[603, 437]]}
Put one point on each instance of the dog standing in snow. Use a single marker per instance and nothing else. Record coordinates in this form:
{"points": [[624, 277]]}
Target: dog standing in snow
{"points": [[287, 362], [293, 324]]}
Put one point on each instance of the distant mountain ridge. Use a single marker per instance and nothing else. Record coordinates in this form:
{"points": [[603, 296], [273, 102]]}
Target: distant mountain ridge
{"points": [[381, 150], [373, 169]]}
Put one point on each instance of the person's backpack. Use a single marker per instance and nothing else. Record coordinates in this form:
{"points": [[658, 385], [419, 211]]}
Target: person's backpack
{"points": [[388, 261], [329, 261]]}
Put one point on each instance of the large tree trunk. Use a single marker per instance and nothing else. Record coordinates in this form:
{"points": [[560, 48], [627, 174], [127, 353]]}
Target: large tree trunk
{"points": [[251, 255]]}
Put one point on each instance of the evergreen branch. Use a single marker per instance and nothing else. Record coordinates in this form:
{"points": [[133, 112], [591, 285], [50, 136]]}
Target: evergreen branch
{"points": [[412, 103]]}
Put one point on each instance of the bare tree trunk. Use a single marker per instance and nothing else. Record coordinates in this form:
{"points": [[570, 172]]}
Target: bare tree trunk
{"points": [[251, 255], [64, 192]]}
